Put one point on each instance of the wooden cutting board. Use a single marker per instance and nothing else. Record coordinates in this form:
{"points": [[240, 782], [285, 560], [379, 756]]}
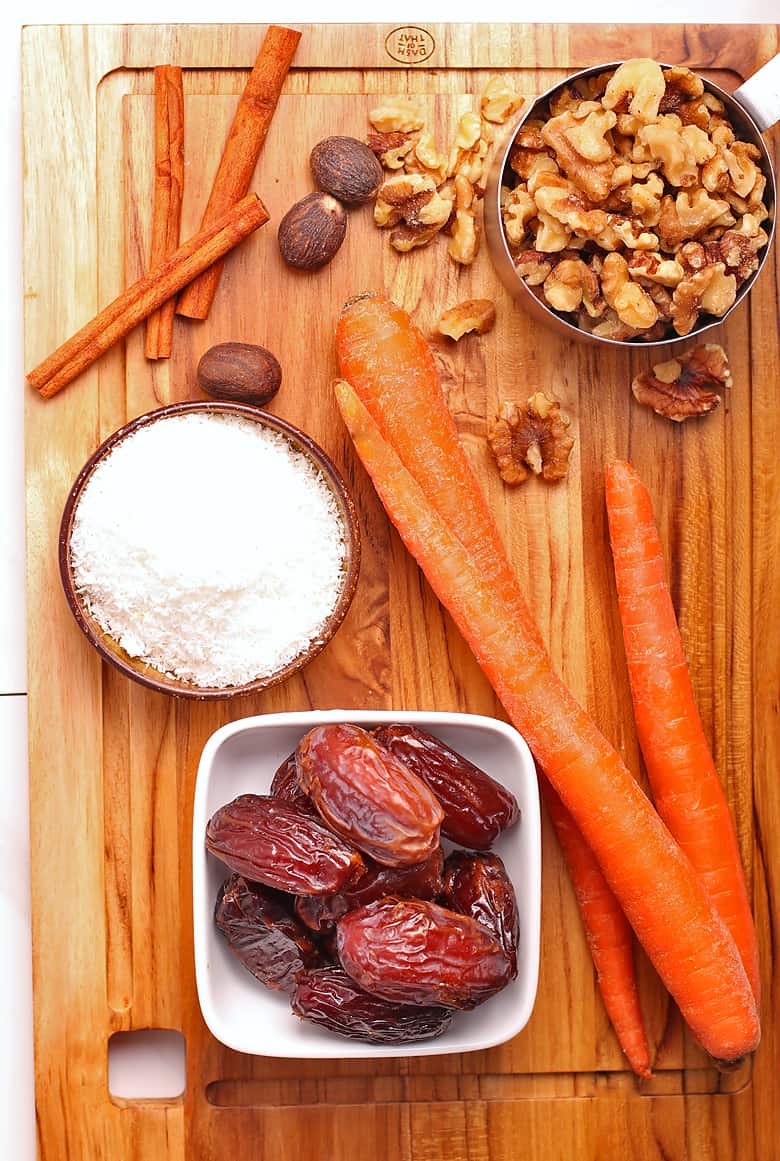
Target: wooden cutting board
{"points": [[112, 765]]}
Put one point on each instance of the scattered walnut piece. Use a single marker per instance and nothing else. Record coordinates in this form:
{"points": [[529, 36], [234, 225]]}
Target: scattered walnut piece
{"points": [[431, 191], [499, 100], [529, 439], [428, 156], [406, 237], [476, 314], [464, 240], [686, 386], [397, 115], [401, 197], [392, 149]]}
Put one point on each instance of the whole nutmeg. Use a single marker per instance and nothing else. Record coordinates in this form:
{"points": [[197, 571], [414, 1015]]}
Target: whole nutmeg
{"points": [[240, 372], [311, 232], [346, 168]]}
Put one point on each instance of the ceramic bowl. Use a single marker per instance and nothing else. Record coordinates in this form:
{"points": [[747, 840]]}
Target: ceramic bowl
{"points": [[241, 758], [138, 670]]}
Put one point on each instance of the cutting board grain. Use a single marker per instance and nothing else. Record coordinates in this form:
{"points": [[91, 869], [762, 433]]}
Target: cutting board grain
{"points": [[112, 765]]}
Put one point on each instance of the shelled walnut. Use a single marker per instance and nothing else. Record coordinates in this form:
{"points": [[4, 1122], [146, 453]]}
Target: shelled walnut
{"points": [[686, 386], [640, 172], [454, 179], [531, 439], [476, 314]]}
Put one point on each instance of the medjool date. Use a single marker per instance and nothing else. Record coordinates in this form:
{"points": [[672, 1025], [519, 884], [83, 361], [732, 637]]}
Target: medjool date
{"points": [[478, 886], [421, 881], [274, 843], [476, 807], [330, 998], [285, 787], [415, 952], [368, 796], [263, 933]]}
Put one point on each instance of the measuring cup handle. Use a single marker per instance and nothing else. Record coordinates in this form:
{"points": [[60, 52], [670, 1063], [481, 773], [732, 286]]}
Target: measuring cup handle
{"points": [[760, 94]]}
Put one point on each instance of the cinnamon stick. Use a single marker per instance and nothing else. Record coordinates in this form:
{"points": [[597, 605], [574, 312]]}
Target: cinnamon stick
{"points": [[150, 291], [242, 149], [168, 184]]}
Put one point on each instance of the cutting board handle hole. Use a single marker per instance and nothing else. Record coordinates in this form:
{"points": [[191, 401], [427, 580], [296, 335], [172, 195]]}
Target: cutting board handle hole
{"points": [[146, 1064]]}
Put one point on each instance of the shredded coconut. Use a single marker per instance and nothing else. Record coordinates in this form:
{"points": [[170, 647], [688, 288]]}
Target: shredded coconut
{"points": [[209, 547]]}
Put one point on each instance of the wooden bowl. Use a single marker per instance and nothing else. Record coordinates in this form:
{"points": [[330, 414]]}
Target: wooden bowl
{"points": [[146, 674]]}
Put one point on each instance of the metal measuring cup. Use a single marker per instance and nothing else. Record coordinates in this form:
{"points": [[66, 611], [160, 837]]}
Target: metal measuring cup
{"points": [[752, 109]]}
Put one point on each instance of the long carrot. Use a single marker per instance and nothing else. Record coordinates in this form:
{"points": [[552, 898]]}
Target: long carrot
{"points": [[654, 882], [608, 933], [378, 346], [390, 366], [683, 779]]}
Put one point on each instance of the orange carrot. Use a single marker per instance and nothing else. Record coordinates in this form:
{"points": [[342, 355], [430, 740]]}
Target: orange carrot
{"points": [[400, 354], [388, 363], [608, 934], [683, 778], [654, 882]]}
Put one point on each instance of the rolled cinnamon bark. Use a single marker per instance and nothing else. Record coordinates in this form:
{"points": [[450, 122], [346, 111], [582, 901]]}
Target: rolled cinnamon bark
{"points": [[150, 291]]}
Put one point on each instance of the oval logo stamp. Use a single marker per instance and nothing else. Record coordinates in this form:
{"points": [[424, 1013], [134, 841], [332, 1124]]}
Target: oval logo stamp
{"points": [[410, 45]]}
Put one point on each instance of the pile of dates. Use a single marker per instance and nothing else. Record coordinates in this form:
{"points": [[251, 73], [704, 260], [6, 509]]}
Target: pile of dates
{"points": [[341, 895]]}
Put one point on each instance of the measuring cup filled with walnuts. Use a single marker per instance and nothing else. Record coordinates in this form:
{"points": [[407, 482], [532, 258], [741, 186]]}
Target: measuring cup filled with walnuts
{"points": [[635, 201]]}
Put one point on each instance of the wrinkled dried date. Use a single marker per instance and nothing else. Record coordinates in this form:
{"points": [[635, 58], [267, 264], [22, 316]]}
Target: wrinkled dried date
{"points": [[326, 941], [478, 886], [330, 998], [421, 881], [286, 788], [263, 933], [416, 952], [274, 843], [368, 796], [476, 807]]}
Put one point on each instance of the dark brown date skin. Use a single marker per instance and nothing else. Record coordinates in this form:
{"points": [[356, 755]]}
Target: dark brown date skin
{"points": [[274, 843], [421, 881], [285, 787], [415, 952], [478, 886], [476, 807], [263, 934], [368, 796], [326, 942], [330, 998]]}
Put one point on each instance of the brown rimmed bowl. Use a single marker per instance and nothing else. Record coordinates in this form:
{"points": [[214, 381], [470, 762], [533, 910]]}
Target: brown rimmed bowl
{"points": [[147, 675]]}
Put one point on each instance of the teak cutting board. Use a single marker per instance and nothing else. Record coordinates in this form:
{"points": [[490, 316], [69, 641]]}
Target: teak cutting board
{"points": [[112, 765]]}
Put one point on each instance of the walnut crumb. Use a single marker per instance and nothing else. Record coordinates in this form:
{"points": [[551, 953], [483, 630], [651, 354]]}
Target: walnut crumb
{"points": [[476, 314], [529, 439], [686, 386]]}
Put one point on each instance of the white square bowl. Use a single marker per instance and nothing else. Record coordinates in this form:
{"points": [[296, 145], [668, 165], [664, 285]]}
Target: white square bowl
{"points": [[241, 758]]}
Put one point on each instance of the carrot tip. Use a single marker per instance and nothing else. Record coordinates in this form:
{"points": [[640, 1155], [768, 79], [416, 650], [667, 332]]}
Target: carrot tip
{"points": [[730, 1065]]}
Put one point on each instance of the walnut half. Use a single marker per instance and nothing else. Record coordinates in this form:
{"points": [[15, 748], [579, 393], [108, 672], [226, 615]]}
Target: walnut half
{"points": [[476, 314], [531, 439], [686, 386]]}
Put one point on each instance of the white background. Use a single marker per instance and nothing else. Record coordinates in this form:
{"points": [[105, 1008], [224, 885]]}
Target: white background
{"points": [[17, 1130]]}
